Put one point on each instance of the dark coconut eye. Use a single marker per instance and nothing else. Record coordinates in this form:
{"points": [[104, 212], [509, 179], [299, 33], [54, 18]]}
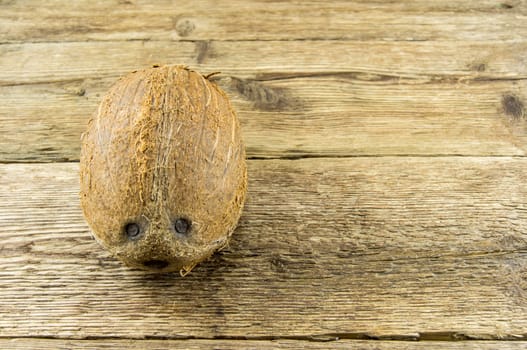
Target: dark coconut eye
{"points": [[132, 230], [182, 225]]}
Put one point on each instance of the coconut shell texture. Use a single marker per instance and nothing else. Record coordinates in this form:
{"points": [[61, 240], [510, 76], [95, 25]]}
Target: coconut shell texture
{"points": [[163, 175]]}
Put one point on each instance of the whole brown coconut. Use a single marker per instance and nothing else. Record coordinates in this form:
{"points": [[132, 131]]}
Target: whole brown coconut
{"points": [[163, 175]]}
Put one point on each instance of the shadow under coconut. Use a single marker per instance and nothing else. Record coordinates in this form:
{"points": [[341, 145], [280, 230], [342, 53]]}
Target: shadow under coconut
{"points": [[207, 294]]}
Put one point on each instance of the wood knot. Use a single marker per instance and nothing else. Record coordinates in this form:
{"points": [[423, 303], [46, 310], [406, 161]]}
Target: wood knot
{"points": [[75, 90], [478, 67], [264, 97], [183, 26], [278, 264], [513, 106], [203, 51]]}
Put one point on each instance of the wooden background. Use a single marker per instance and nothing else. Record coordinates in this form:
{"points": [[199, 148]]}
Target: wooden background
{"points": [[387, 146]]}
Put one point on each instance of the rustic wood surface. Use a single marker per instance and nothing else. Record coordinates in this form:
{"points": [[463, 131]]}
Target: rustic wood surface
{"points": [[399, 99], [387, 148]]}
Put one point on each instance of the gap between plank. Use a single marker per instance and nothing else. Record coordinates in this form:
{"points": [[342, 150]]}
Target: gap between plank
{"points": [[310, 156], [432, 79], [326, 337], [341, 39]]}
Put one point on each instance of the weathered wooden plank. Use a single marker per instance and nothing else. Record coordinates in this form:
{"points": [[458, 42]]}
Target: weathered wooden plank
{"points": [[353, 114], [335, 115], [30, 63], [384, 246], [262, 20], [194, 344]]}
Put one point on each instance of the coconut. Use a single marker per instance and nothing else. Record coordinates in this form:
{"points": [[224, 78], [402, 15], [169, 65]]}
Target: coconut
{"points": [[163, 176]]}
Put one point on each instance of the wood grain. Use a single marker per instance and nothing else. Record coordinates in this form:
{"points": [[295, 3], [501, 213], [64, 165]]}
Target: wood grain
{"points": [[418, 231], [195, 344], [324, 247], [338, 114], [263, 20], [39, 63], [373, 98]]}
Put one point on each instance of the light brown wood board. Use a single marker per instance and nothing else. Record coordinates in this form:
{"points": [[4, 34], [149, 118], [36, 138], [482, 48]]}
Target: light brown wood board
{"points": [[361, 99], [324, 247], [387, 167]]}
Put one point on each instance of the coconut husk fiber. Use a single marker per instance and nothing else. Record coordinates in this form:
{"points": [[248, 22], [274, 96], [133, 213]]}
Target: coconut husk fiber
{"points": [[162, 173]]}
